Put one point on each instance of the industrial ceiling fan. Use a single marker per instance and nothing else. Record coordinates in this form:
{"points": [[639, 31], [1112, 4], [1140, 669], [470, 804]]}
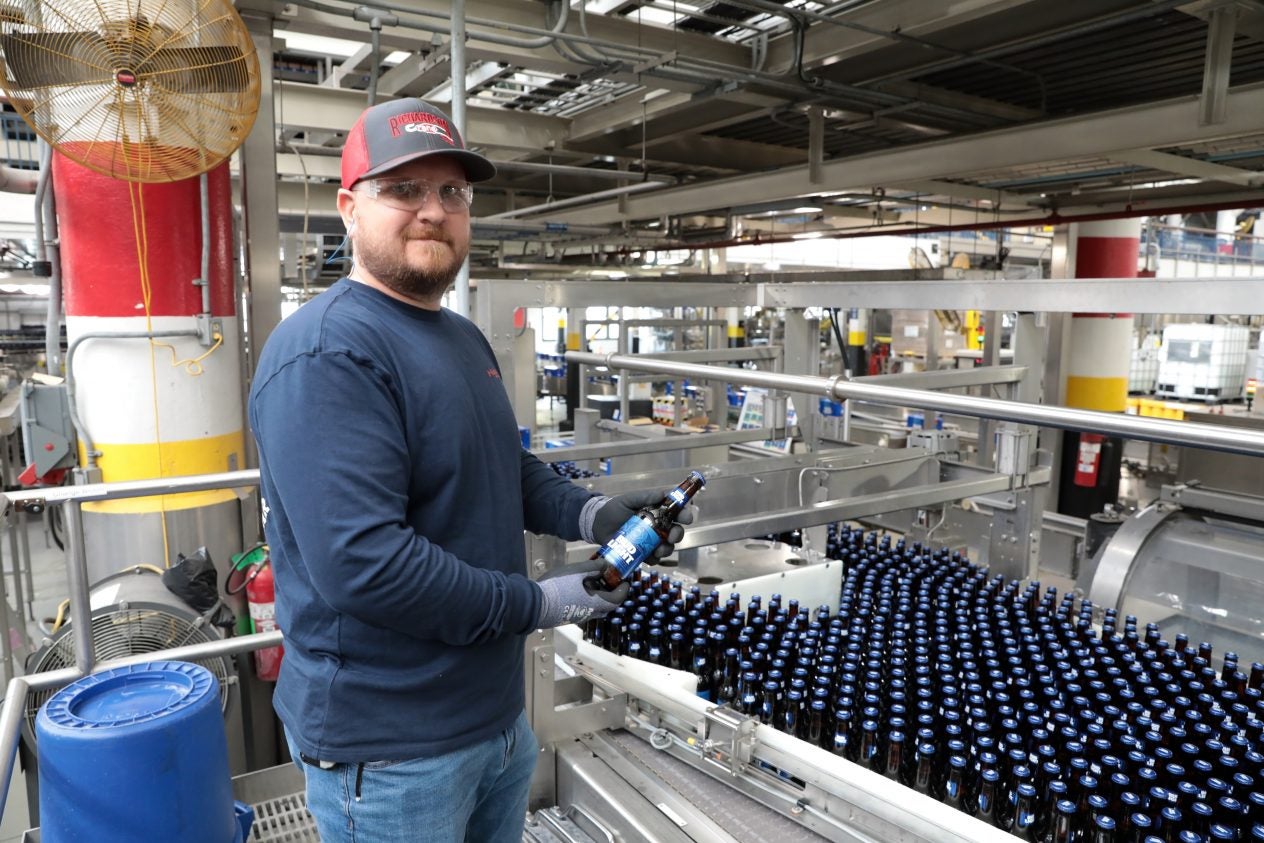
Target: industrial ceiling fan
{"points": [[140, 90]]}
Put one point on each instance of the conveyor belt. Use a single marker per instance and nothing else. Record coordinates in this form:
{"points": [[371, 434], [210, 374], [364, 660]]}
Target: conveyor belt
{"points": [[735, 812]]}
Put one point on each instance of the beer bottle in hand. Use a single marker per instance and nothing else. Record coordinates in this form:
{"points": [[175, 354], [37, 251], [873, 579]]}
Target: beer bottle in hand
{"points": [[641, 534]]}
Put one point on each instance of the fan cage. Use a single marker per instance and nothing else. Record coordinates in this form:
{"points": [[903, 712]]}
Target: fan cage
{"points": [[139, 90], [120, 632]]}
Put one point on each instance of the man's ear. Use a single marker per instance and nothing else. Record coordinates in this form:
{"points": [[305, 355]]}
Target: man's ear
{"points": [[346, 208]]}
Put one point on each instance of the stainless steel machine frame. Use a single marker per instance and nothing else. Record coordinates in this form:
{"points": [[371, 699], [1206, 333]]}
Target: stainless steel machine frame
{"points": [[1032, 300], [496, 301], [1214, 437], [769, 495]]}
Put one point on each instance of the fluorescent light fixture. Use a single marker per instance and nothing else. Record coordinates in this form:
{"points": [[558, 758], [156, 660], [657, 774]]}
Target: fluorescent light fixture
{"points": [[25, 289], [806, 209], [808, 235], [335, 47]]}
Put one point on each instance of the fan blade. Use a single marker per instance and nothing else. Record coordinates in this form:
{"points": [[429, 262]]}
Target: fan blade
{"points": [[47, 59], [198, 70]]}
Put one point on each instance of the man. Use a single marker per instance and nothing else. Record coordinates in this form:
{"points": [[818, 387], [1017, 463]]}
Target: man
{"points": [[395, 494]]}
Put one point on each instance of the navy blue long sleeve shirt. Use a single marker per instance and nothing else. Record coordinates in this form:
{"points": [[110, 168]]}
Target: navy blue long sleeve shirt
{"points": [[395, 493]]}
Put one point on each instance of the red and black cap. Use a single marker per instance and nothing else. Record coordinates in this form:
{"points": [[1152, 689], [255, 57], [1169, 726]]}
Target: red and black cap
{"points": [[393, 133]]}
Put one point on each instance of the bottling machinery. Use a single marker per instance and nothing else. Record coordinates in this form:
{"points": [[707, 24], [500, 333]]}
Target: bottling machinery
{"points": [[631, 751]]}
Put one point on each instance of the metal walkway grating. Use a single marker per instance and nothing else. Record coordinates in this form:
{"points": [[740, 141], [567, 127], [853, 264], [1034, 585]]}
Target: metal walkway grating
{"points": [[284, 820]]}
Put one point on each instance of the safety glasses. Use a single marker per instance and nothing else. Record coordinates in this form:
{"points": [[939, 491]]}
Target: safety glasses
{"points": [[414, 194]]}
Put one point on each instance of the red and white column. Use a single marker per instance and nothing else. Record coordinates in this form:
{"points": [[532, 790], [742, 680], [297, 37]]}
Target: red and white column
{"points": [[1097, 367], [149, 412]]}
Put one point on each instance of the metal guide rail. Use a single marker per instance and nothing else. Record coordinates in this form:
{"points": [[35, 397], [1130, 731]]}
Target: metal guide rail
{"points": [[1214, 437]]}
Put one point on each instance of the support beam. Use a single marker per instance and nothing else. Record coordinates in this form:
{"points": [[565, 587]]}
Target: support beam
{"points": [[432, 16], [1192, 296], [326, 109], [666, 118], [816, 143], [625, 113], [826, 44], [934, 187], [1218, 63], [259, 199], [1192, 167], [478, 74], [953, 99], [417, 74], [1250, 15], [350, 69], [1168, 123]]}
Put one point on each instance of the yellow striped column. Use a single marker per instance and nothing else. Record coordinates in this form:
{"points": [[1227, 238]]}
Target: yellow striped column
{"points": [[1101, 343], [736, 331]]}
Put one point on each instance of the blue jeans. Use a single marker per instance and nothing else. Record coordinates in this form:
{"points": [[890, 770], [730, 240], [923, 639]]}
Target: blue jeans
{"points": [[473, 795]]}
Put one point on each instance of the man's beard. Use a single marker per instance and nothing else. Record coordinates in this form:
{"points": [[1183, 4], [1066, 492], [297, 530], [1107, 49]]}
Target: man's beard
{"points": [[418, 283]]}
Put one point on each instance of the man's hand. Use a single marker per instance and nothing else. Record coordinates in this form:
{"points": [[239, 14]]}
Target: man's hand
{"points": [[611, 514], [566, 598]]}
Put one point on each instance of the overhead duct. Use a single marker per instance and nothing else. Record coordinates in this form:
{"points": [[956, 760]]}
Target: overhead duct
{"points": [[13, 180]]}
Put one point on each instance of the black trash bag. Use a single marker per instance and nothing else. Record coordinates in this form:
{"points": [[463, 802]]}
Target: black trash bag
{"points": [[195, 581]]}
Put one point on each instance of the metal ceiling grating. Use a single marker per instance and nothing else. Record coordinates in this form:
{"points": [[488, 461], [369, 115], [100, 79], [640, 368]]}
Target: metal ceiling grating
{"points": [[1152, 59]]}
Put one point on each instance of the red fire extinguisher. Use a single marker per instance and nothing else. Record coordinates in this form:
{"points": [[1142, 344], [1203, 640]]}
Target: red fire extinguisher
{"points": [[261, 598], [1089, 459]]}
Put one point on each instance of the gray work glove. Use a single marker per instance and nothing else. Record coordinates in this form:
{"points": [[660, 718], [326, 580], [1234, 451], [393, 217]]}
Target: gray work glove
{"points": [[565, 598], [609, 514]]}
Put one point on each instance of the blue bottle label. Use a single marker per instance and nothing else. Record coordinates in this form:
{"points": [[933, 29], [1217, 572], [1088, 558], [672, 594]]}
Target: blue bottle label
{"points": [[631, 546]]}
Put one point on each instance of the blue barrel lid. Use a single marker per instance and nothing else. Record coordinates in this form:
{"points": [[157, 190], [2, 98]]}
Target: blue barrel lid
{"points": [[130, 695]]}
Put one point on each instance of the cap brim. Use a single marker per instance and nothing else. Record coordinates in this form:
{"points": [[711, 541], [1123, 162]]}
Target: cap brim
{"points": [[477, 168]]}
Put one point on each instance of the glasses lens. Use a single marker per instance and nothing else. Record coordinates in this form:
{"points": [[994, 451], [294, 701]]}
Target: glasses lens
{"points": [[414, 194]]}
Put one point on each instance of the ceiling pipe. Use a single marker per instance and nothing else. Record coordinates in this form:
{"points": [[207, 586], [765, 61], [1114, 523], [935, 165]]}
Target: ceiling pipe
{"points": [[559, 228], [578, 200], [584, 172], [897, 229], [691, 69], [768, 7]]}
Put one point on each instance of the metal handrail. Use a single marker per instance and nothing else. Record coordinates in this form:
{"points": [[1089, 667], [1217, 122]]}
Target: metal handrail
{"points": [[1210, 436], [72, 499]]}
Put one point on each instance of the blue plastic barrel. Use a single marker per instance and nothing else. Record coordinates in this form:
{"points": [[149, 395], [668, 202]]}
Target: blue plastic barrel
{"points": [[136, 753]]}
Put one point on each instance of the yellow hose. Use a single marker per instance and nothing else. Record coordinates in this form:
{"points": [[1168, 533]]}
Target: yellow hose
{"points": [[153, 568], [61, 614]]}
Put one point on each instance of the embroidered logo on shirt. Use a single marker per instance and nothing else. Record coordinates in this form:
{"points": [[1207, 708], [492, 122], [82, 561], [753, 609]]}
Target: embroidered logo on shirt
{"points": [[492, 373]]}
